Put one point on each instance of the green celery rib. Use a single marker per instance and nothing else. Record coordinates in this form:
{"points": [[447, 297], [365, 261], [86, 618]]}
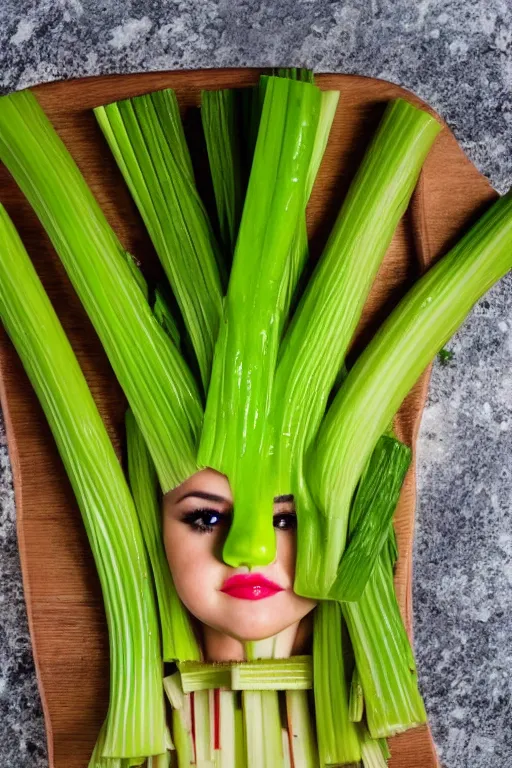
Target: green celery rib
{"points": [[135, 723], [301, 730], [316, 343], [383, 656], [147, 140], [371, 750], [356, 702], [384, 373], [198, 676], [338, 741], [262, 728], [219, 116], [370, 516], [295, 673], [236, 433], [178, 640], [160, 761], [160, 389]]}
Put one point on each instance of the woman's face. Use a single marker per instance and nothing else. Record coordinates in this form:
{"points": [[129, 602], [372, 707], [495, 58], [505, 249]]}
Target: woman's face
{"points": [[246, 604]]}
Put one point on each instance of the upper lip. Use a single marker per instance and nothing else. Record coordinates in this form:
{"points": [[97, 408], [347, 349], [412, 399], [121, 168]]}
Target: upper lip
{"points": [[249, 580]]}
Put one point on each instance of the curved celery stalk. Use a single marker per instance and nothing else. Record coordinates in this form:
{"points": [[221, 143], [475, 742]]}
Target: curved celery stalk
{"points": [[236, 433], [147, 140], [338, 742], [356, 701], [219, 110], [383, 656], [370, 516], [178, 641], [160, 389], [316, 343], [135, 723], [406, 342]]}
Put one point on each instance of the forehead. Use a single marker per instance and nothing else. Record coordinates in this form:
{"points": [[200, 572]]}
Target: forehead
{"points": [[205, 481]]}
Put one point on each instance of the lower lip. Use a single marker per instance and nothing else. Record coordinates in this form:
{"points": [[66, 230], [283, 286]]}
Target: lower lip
{"points": [[251, 592]]}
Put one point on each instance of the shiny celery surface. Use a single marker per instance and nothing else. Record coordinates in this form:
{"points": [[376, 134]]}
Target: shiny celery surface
{"points": [[383, 655], [158, 385], [376, 385], [178, 640], [338, 742], [236, 433], [135, 723], [370, 516], [146, 137]]}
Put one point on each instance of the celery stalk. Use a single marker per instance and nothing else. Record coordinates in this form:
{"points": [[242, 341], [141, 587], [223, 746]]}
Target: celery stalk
{"points": [[338, 741], [236, 433], [295, 673], [202, 732], [386, 370], [181, 720], [197, 676], [147, 140], [300, 730], [178, 640], [262, 727], [160, 389], [356, 701], [219, 118], [135, 722], [159, 761], [383, 656], [371, 750], [227, 728], [370, 516]]}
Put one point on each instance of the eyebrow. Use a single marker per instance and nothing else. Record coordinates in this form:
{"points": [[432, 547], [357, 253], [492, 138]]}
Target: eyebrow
{"points": [[215, 497]]}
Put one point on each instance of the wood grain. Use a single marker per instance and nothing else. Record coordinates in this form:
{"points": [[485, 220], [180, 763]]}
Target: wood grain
{"points": [[62, 592]]}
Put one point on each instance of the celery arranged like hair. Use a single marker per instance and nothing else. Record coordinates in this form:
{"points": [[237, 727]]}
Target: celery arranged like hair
{"points": [[158, 385], [178, 640], [236, 436], [146, 136], [135, 723], [427, 316]]}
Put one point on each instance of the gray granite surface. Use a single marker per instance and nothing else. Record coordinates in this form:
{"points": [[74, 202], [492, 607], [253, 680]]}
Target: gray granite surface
{"points": [[458, 56]]}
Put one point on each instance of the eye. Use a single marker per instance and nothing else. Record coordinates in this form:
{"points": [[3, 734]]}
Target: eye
{"points": [[285, 521], [205, 520]]}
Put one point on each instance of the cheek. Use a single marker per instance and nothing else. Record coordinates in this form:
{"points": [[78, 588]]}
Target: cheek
{"points": [[196, 572]]}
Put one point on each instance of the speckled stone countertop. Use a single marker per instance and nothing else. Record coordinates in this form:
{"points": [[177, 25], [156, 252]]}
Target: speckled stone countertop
{"points": [[457, 56]]}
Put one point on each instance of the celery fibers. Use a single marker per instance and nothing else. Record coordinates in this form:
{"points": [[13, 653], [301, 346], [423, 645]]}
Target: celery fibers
{"points": [[356, 701], [178, 641], [338, 742], [236, 437], [135, 724], [158, 385], [262, 728], [219, 116], [372, 510], [386, 370], [303, 748], [383, 656], [147, 140]]}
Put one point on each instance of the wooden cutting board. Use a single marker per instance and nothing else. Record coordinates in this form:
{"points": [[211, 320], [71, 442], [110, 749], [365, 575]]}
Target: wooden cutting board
{"points": [[62, 592]]}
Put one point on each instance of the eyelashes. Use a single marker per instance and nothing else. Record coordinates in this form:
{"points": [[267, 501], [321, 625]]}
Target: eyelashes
{"points": [[207, 520]]}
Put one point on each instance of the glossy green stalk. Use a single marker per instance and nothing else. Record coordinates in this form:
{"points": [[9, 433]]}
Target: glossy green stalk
{"points": [[338, 742], [178, 640], [383, 656], [135, 723], [303, 747], [370, 516], [236, 434], [146, 137], [371, 750], [219, 115], [386, 370], [160, 389]]}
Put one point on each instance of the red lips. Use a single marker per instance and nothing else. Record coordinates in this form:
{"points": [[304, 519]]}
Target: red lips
{"points": [[250, 586]]}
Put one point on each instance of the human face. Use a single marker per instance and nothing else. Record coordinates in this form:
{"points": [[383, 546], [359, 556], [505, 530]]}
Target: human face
{"points": [[196, 517]]}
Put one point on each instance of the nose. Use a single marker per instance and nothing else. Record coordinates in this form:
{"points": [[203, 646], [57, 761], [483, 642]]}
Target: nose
{"points": [[249, 543]]}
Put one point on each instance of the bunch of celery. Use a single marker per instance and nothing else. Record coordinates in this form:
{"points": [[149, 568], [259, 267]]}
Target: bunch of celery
{"points": [[268, 370]]}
